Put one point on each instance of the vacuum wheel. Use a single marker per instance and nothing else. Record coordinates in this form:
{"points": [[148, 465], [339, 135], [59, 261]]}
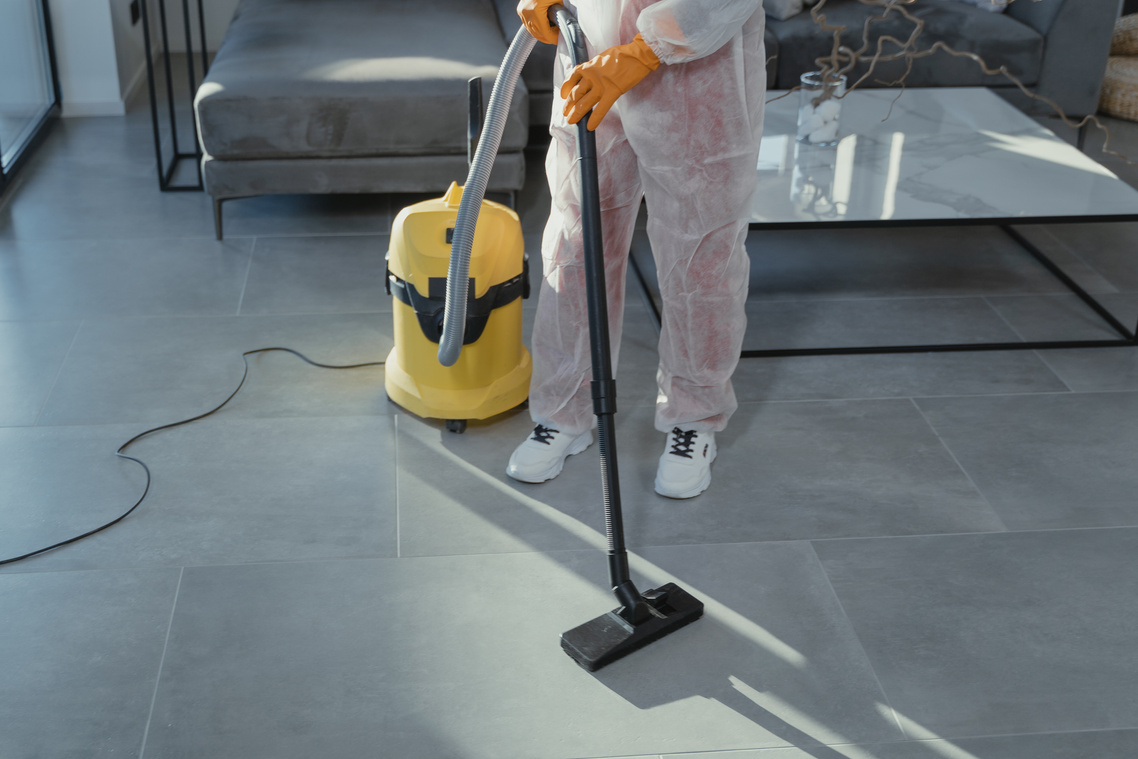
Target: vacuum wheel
{"points": [[456, 425]]}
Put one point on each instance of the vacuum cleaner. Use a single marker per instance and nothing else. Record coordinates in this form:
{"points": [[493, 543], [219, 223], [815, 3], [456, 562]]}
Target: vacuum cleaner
{"points": [[644, 617], [493, 373]]}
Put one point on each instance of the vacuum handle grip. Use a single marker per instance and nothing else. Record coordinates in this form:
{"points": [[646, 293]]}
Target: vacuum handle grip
{"points": [[571, 30]]}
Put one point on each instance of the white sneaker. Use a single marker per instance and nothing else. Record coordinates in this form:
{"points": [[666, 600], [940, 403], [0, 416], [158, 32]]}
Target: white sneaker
{"points": [[685, 466], [542, 455]]}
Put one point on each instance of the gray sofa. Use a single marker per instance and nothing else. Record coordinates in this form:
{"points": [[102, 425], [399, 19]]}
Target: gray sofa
{"points": [[1056, 47], [369, 96], [351, 96]]}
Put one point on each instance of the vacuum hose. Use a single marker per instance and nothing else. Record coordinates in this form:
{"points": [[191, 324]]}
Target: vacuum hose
{"points": [[454, 314]]}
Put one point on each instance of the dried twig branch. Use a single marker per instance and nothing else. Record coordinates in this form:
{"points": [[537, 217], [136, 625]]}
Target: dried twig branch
{"points": [[842, 60]]}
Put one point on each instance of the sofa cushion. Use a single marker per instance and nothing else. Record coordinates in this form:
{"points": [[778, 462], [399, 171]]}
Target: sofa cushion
{"points": [[996, 37], [992, 6], [322, 79], [1038, 14], [784, 9], [373, 174]]}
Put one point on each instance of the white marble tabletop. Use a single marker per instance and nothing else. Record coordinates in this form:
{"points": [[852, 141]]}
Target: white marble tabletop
{"points": [[941, 154]]}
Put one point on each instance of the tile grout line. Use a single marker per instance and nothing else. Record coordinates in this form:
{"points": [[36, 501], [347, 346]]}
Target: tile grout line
{"points": [[951, 739], [398, 533], [955, 460], [1041, 355], [874, 398], [161, 664], [291, 235], [245, 282], [59, 372], [1046, 229], [807, 299], [98, 318], [1018, 333], [857, 637], [1000, 315], [985, 736], [633, 549], [290, 417]]}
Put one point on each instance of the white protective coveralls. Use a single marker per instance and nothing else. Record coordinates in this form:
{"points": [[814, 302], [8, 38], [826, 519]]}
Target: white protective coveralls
{"points": [[686, 139]]}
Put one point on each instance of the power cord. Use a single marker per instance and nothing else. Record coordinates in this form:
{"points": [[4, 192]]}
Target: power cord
{"points": [[121, 452]]}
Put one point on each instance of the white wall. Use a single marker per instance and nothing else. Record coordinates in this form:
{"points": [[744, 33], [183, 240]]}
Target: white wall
{"points": [[218, 14], [130, 56], [100, 54], [86, 59]]}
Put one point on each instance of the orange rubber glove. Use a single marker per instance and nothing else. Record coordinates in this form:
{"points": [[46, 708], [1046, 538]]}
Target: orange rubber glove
{"points": [[597, 84], [535, 18]]}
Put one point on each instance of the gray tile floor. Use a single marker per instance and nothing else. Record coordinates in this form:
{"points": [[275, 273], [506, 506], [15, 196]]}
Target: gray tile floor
{"points": [[902, 557]]}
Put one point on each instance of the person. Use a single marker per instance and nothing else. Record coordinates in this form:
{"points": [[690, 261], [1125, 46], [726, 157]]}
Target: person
{"points": [[676, 89]]}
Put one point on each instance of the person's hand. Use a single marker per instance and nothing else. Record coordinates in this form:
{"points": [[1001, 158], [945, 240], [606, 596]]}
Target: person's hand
{"points": [[535, 18], [596, 84]]}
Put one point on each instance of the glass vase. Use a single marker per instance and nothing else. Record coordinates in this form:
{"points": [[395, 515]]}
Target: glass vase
{"points": [[820, 108]]}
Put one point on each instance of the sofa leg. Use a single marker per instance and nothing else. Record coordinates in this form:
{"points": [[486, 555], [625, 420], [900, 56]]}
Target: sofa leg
{"points": [[217, 215]]}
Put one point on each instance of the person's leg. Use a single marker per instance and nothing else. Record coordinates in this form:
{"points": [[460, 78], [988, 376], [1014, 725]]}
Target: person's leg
{"points": [[560, 397], [696, 132]]}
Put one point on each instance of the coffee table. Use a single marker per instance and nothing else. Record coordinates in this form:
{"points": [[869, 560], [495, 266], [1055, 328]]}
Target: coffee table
{"points": [[937, 157]]}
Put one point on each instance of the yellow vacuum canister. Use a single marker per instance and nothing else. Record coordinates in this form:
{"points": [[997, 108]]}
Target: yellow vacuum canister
{"points": [[492, 373]]}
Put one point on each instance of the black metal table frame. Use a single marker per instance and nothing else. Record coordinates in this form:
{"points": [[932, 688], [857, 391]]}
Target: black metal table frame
{"points": [[167, 169], [1127, 336]]}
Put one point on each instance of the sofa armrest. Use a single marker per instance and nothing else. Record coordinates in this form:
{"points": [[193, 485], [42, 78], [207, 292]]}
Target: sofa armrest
{"points": [[1076, 45], [1038, 14]]}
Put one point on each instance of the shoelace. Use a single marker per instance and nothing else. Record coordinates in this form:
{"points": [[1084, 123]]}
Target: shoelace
{"points": [[682, 441], [544, 434]]}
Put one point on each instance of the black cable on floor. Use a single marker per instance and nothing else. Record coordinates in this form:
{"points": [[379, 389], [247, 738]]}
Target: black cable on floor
{"points": [[121, 452]]}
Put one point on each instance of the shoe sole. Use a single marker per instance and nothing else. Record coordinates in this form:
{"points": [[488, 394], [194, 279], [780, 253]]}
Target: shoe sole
{"points": [[703, 484], [577, 446]]}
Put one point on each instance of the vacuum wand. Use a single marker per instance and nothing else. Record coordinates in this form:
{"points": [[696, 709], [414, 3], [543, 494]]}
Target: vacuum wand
{"points": [[641, 618], [633, 608]]}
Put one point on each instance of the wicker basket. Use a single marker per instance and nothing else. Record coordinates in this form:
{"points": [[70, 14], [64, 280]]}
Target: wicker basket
{"points": [[1120, 88], [1125, 40]]}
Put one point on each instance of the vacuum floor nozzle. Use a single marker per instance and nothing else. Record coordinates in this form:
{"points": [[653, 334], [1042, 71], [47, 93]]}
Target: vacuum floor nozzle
{"points": [[610, 636]]}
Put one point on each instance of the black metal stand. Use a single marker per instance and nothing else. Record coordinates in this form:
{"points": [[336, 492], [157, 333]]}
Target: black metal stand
{"points": [[1127, 336], [168, 169]]}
